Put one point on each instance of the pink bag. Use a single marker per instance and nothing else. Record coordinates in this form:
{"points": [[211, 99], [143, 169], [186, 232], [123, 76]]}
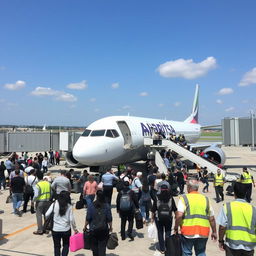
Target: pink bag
{"points": [[76, 242]]}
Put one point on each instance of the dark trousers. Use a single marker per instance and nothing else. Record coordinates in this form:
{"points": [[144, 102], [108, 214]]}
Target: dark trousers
{"points": [[163, 231], [124, 218], [2, 182], [205, 189], [153, 194], [26, 198], [98, 246], [108, 191], [57, 237], [232, 252], [219, 192], [181, 187], [248, 192]]}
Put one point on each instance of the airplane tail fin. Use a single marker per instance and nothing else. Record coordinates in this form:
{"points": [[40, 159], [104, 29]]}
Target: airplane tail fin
{"points": [[193, 118]]}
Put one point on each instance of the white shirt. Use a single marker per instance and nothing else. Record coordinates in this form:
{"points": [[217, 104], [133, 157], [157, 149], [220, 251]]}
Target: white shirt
{"points": [[28, 169], [31, 179], [61, 223]]}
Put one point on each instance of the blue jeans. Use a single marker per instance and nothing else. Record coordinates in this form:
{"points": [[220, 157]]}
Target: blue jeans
{"points": [[144, 208], [198, 243], [17, 200], [89, 199], [2, 182]]}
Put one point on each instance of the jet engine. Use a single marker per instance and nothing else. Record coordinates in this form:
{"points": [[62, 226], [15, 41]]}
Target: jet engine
{"points": [[216, 154], [71, 161]]}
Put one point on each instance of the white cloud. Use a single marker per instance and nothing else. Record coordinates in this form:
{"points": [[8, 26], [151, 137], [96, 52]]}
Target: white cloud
{"points": [[249, 78], [160, 105], [63, 96], [187, 69], [245, 101], [225, 91], [43, 91], [78, 86], [115, 85], [126, 107], [16, 86], [176, 104], [230, 109], [59, 95], [92, 99], [143, 94], [218, 101]]}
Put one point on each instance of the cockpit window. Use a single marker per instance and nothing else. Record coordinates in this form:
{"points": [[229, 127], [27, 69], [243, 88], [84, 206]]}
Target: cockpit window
{"points": [[97, 133], [115, 133], [109, 134], [86, 133], [112, 133]]}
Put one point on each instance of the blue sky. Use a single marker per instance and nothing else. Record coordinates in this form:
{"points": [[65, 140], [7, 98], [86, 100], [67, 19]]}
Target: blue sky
{"points": [[73, 62]]}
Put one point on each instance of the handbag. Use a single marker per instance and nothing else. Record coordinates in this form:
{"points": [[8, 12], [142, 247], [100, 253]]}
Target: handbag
{"points": [[152, 231], [112, 241], [28, 188], [138, 220], [76, 242], [87, 240], [173, 246], [48, 224]]}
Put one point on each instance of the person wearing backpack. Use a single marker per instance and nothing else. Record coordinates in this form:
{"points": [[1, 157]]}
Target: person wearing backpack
{"points": [[162, 211], [145, 203], [126, 204], [99, 219]]}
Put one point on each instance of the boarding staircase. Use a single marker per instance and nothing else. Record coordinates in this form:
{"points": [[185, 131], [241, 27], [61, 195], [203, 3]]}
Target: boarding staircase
{"points": [[167, 144]]}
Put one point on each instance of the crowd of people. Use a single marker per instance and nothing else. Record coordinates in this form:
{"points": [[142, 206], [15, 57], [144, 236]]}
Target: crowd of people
{"points": [[149, 193]]}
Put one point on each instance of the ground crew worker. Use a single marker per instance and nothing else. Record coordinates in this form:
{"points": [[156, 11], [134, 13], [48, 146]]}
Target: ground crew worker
{"points": [[218, 185], [247, 179], [195, 216], [42, 196], [237, 222]]}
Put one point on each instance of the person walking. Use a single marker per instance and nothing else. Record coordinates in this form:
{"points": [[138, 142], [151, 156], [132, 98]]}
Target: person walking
{"points": [[194, 217], [218, 185], [42, 196], [205, 180], [63, 220], [2, 175], [99, 219], [162, 210], [90, 189], [61, 183], [17, 189], [145, 202], [107, 180], [30, 181], [126, 204], [180, 180], [45, 164], [137, 185], [237, 223], [247, 180]]}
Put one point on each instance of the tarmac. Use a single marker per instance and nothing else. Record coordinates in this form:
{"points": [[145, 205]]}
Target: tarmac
{"points": [[18, 239]]}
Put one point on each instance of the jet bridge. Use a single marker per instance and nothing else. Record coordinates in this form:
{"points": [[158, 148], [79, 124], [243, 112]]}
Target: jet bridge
{"points": [[167, 144]]}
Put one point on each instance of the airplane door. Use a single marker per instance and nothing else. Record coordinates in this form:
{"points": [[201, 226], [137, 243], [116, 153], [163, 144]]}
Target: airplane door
{"points": [[125, 130]]}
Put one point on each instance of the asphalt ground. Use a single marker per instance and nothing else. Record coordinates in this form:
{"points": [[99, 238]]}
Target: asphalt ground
{"points": [[18, 239]]}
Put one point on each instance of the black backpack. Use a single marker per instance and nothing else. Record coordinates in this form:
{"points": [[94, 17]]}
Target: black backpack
{"points": [[99, 221], [125, 201], [164, 210]]}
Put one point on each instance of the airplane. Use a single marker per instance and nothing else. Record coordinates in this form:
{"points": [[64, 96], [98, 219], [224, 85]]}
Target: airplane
{"points": [[118, 140]]}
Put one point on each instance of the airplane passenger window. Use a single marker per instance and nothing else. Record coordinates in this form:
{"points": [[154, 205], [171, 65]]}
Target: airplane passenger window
{"points": [[97, 133], [115, 133], [86, 133], [109, 134]]}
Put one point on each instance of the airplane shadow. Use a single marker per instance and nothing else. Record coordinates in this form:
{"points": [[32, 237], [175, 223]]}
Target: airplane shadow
{"points": [[3, 240]]}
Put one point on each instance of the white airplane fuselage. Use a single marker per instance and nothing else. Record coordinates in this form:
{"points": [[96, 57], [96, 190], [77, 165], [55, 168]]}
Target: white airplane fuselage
{"points": [[100, 145]]}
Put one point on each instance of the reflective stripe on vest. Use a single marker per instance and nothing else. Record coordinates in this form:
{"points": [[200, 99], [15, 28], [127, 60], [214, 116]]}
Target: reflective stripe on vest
{"points": [[196, 218], [247, 178], [241, 226], [44, 193], [219, 180]]}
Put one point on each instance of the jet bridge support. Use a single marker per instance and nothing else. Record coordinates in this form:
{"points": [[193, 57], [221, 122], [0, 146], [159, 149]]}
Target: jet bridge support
{"points": [[167, 144]]}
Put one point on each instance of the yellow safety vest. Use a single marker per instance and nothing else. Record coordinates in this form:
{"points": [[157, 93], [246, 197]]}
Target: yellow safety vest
{"points": [[44, 191], [219, 180], [247, 178], [241, 225], [196, 215]]}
